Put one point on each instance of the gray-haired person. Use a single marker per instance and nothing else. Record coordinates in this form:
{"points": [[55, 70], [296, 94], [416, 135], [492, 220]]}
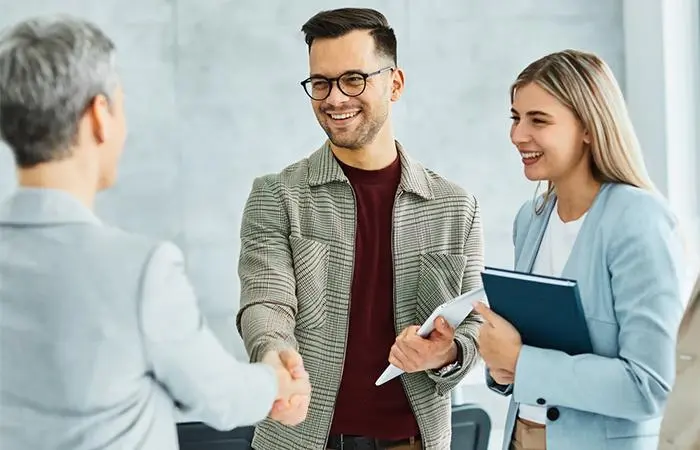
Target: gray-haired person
{"points": [[100, 332]]}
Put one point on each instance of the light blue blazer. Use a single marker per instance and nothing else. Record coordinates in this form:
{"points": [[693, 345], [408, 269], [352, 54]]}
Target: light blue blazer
{"points": [[627, 262], [101, 337]]}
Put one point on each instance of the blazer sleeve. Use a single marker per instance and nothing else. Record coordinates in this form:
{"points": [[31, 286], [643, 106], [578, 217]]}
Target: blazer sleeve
{"points": [[467, 333], [644, 262], [268, 304], [206, 382]]}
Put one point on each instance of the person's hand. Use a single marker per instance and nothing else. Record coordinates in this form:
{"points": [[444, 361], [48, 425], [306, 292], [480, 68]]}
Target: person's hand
{"points": [[413, 353], [502, 377], [499, 344], [294, 391]]}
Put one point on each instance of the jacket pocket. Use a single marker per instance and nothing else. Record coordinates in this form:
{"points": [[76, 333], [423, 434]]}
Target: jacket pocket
{"points": [[311, 272], [440, 279]]}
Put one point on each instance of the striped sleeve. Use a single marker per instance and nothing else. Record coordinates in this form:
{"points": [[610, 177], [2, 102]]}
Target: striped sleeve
{"points": [[266, 318], [467, 333]]}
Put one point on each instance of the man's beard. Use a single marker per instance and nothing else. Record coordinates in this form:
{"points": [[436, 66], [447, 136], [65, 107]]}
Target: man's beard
{"points": [[364, 134]]}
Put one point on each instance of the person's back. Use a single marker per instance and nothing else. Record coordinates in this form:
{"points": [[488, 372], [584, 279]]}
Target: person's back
{"points": [[101, 334], [71, 342]]}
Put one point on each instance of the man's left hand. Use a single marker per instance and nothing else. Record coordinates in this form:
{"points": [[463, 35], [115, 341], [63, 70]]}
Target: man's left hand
{"points": [[413, 353]]}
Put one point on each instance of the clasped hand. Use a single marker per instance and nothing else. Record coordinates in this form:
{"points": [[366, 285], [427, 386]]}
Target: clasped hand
{"points": [[294, 390], [413, 353], [499, 345]]}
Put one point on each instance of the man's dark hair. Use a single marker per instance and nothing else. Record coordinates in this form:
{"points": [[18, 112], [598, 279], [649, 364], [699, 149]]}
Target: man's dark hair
{"points": [[339, 22]]}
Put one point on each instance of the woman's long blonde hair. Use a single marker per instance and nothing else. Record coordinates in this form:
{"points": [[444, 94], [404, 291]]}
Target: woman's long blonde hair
{"points": [[585, 84]]}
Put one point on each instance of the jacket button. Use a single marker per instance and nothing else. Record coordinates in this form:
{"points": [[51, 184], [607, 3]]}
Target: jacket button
{"points": [[552, 413], [540, 401]]}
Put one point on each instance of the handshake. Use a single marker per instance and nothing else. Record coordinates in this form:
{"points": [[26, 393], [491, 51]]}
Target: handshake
{"points": [[293, 387]]}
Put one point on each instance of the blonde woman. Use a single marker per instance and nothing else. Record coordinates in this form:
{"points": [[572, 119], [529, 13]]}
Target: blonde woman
{"points": [[680, 429], [601, 223]]}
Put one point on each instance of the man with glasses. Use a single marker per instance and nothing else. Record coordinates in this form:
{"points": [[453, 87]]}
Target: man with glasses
{"points": [[345, 252]]}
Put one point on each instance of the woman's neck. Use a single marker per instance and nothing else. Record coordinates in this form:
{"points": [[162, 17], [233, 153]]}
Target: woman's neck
{"points": [[575, 196]]}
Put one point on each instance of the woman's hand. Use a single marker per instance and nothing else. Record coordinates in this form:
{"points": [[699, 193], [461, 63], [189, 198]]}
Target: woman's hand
{"points": [[502, 377], [499, 344]]}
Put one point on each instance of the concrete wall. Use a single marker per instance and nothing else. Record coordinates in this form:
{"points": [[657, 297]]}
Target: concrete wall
{"points": [[213, 100], [662, 77]]}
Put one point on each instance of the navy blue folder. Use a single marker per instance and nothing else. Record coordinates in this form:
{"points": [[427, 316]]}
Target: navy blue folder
{"points": [[546, 311]]}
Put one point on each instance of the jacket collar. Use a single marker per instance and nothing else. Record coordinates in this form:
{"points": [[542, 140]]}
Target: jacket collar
{"points": [[41, 206], [324, 169], [538, 226]]}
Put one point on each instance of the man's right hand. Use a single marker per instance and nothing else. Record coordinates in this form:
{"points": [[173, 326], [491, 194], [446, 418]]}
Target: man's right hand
{"points": [[294, 390]]}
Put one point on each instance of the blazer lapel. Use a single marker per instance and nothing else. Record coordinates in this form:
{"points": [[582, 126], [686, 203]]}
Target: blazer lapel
{"points": [[537, 227], [323, 169]]}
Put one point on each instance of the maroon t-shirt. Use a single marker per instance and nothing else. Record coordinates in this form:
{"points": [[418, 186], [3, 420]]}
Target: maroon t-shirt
{"points": [[361, 407]]}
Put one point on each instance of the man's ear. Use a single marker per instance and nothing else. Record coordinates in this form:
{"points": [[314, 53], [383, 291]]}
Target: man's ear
{"points": [[397, 84]]}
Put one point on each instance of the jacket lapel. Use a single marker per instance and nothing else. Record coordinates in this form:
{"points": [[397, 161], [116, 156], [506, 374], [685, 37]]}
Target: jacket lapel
{"points": [[538, 225], [414, 178], [324, 169]]}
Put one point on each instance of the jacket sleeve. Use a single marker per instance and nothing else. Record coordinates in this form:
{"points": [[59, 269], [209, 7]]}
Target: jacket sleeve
{"points": [[268, 303], [467, 332], [644, 262], [207, 382]]}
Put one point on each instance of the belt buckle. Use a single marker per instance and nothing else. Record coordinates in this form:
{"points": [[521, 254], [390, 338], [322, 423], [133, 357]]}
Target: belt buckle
{"points": [[344, 442], [357, 443]]}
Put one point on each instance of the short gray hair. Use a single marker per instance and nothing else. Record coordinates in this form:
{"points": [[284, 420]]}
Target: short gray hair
{"points": [[51, 69]]}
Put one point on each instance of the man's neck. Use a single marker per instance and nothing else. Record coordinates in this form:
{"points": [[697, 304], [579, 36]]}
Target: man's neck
{"points": [[374, 156], [63, 176], [575, 195]]}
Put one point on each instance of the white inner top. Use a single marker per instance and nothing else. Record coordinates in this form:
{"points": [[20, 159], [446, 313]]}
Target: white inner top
{"points": [[557, 242]]}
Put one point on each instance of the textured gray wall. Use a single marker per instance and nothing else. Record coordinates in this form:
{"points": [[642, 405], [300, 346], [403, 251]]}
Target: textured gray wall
{"points": [[213, 100]]}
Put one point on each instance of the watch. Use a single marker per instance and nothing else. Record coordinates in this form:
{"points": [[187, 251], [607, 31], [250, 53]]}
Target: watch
{"points": [[449, 369], [452, 367]]}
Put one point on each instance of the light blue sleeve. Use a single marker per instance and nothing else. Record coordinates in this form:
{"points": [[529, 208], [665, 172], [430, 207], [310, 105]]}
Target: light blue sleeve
{"points": [[644, 263], [188, 360]]}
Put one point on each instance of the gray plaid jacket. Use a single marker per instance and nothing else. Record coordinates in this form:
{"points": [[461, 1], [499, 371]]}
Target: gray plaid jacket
{"points": [[296, 268]]}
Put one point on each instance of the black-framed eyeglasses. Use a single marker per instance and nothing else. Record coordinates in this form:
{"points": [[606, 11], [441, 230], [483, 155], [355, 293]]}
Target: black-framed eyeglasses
{"points": [[350, 83]]}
